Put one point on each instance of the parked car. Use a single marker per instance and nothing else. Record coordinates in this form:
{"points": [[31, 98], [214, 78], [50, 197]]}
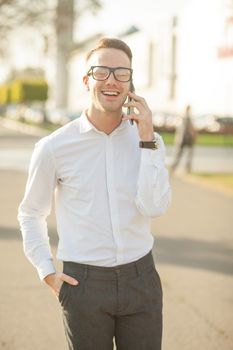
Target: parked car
{"points": [[165, 121], [34, 114], [12, 112], [61, 116], [206, 123], [225, 124]]}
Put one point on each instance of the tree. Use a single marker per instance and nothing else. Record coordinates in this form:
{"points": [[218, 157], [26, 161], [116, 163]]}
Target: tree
{"points": [[49, 17], [19, 13]]}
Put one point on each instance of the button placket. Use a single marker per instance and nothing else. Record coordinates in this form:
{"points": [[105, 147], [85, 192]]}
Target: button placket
{"points": [[113, 199]]}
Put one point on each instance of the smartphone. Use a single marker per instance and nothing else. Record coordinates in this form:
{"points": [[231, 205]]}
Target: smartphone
{"points": [[129, 109]]}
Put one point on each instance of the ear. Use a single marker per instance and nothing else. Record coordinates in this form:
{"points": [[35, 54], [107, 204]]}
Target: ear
{"points": [[86, 81]]}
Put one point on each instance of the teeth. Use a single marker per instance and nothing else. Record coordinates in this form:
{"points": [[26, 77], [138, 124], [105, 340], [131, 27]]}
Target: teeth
{"points": [[110, 93]]}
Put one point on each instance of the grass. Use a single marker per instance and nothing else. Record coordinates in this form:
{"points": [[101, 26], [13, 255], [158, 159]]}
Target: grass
{"points": [[215, 140], [204, 140], [167, 137], [224, 181]]}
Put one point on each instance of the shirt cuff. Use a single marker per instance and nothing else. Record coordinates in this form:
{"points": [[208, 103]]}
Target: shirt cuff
{"points": [[45, 269], [155, 157]]}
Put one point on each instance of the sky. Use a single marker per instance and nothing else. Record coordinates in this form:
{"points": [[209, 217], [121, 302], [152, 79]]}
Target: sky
{"points": [[116, 16]]}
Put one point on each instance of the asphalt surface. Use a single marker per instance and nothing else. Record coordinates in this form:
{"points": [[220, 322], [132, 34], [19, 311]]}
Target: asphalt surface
{"points": [[193, 252]]}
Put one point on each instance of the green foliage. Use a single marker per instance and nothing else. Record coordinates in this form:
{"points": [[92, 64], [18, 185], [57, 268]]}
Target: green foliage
{"points": [[24, 91], [4, 94], [217, 140], [223, 180]]}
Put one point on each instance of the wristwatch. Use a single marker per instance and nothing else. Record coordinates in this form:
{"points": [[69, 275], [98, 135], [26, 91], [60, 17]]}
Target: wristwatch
{"points": [[154, 144]]}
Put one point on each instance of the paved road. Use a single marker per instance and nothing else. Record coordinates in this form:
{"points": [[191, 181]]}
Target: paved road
{"points": [[193, 251], [206, 159]]}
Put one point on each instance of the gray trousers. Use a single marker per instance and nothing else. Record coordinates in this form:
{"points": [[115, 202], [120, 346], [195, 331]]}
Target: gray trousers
{"points": [[124, 302]]}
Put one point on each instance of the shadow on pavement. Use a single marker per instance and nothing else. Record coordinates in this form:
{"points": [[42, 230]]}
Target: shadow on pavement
{"points": [[212, 256]]}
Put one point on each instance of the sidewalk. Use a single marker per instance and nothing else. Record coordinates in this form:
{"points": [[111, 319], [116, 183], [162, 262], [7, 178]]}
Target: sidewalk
{"points": [[206, 159], [194, 254]]}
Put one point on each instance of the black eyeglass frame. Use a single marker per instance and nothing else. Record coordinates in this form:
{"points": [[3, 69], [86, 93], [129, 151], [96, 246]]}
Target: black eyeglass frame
{"points": [[111, 70]]}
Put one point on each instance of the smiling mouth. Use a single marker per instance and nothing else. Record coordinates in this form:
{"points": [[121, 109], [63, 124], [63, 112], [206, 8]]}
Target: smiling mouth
{"points": [[110, 93]]}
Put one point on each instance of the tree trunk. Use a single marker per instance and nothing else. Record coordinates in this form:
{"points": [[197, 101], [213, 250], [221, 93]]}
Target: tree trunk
{"points": [[64, 33]]}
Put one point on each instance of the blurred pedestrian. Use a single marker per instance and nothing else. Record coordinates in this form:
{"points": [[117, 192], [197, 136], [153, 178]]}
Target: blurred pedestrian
{"points": [[185, 138], [109, 179]]}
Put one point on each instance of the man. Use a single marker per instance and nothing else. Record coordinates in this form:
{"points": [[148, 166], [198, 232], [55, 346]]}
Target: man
{"points": [[109, 179], [185, 138]]}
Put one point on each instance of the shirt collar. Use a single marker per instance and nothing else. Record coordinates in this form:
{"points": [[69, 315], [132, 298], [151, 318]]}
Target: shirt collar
{"points": [[85, 125]]}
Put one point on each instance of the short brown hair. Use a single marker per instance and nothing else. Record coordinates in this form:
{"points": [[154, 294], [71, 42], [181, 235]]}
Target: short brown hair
{"points": [[111, 43]]}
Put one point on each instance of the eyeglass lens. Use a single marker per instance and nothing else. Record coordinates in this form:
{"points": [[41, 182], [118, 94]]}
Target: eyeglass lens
{"points": [[102, 73]]}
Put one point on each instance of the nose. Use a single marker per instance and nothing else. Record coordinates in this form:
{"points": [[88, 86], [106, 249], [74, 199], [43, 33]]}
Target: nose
{"points": [[111, 79]]}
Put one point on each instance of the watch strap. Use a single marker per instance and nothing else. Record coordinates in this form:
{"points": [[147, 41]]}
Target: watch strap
{"points": [[149, 144]]}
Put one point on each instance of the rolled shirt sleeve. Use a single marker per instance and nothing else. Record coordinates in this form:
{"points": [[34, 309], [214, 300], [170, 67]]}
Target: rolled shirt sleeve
{"points": [[36, 206], [153, 190]]}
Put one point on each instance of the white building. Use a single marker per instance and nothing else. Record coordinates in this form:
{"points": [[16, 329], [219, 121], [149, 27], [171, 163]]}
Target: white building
{"points": [[185, 59]]}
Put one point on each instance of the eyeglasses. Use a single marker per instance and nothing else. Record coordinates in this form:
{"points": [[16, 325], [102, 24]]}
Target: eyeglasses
{"points": [[102, 73]]}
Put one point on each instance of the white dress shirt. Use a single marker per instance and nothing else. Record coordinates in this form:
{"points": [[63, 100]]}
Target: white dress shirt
{"points": [[106, 190]]}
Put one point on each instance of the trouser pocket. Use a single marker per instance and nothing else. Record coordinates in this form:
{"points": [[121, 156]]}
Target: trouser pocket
{"points": [[63, 294]]}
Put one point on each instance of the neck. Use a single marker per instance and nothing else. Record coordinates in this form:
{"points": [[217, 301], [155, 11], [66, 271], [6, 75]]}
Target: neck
{"points": [[104, 121]]}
